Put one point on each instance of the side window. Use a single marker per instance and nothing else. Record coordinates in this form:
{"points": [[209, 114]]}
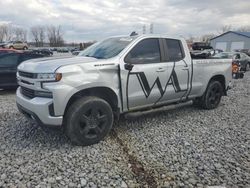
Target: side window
{"points": [[8, 60], [28, 56], [146, 51], [175, 51]]}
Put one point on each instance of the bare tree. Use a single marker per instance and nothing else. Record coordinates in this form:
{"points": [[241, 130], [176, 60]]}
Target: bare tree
{"points": [[55, 36], [244, 28], [190, 39], [224, 29], [206, 38], [35, 35], [6, 32], [20, 33], [38, 34], [3, 32], [41, 35]]}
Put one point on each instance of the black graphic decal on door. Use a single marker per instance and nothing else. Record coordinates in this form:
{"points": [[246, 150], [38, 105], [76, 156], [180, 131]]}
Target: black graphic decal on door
{"points": [[173, 81]]}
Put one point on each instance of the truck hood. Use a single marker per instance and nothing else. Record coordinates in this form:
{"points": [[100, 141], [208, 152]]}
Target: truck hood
{"points": [[49, 65]]}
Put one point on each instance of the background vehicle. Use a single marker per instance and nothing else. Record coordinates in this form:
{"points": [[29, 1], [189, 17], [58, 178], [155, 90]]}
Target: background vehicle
{"points": [[8, 67], [203, 54], [19, 45], [63, 50], [201, 46], [43, 51], [118, 75], [236, 72], [6, 50], [76, 52], [2, 44], [242, 59], [246, 51]]}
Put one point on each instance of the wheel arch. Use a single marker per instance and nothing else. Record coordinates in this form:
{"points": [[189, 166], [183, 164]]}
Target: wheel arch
{"points": [[221, 78], [104, 93]]}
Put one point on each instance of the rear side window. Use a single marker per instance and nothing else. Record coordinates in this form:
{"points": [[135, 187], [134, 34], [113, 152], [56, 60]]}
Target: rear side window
{"points": [[146, 51], [174, 50], [8, 60]]}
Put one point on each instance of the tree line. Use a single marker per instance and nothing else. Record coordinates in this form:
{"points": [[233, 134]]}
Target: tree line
{"points": [[54, 34], [39, 34]]}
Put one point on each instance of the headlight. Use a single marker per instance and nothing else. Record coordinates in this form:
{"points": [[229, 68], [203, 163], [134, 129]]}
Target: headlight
{"points": [[49, 76]]}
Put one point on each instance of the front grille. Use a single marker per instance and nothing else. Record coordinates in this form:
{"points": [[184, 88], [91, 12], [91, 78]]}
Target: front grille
{"points": [[27, 74], [29, 93]]}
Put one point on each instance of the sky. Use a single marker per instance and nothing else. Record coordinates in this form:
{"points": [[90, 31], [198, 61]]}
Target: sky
{"points": [[86, 20]]}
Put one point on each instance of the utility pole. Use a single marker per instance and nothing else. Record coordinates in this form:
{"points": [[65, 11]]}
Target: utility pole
{"points": [[144, 29], [151, 28]]}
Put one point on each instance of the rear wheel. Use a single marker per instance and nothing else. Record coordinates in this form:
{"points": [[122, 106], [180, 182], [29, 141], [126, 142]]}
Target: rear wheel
{"points": [[212, 97], [88, 120]]}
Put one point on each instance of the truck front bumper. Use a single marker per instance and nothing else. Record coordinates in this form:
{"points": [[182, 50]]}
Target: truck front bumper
{"points": [[37, 109]]}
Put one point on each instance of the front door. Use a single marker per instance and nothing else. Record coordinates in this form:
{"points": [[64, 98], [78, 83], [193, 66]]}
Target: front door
{"points": [[145, 78]]}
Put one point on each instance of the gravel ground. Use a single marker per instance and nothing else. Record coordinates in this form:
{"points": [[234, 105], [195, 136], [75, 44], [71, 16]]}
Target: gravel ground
{"points": [[183, 147]]}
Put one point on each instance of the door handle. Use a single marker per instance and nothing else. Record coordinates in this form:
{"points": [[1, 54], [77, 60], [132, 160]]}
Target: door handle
{"points": [[160, 70]]}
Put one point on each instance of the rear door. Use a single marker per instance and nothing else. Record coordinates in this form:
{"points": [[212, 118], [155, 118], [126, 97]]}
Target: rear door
{"points": [[8, 68], [179, 85]]}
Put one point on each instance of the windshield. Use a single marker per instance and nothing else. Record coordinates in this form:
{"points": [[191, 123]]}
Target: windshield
{"points": [[224, 55], [108, 48]]}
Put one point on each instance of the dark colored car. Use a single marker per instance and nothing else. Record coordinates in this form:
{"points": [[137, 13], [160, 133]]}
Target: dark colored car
{"points": [[201, 46], [45, 52], [204, 54], [8, 67], [6, 51], [242, 59]]}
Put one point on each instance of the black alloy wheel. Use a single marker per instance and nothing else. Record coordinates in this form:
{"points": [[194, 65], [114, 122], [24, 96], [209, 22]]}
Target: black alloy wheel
{"points": [[88, 120], [212, 97]]}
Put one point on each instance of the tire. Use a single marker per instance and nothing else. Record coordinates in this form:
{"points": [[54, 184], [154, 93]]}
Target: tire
{"points": [[212, 96], [88, 121], [11, 47], [248, 67], [25, 48]]}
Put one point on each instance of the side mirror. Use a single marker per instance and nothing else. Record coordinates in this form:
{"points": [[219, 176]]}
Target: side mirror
{"points": [[128, 66]]}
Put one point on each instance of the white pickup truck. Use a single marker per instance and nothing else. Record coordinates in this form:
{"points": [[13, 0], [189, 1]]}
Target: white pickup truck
{"points": [[115, 76]]}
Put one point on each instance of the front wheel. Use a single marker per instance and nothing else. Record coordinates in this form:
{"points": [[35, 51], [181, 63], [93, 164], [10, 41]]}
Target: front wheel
{"points": [[212, 96], [88, 120]]}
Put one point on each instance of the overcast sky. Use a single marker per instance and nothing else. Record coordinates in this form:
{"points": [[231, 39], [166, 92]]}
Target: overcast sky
{"points": [[84, 20]]}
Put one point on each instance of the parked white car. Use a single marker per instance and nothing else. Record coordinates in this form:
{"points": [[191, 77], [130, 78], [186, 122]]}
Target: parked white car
{"points": [[18, 45], [115, 76]]}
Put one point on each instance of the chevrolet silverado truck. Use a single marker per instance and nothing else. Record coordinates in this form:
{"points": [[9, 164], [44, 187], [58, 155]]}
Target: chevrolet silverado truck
{"points": [[84, 94]]}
